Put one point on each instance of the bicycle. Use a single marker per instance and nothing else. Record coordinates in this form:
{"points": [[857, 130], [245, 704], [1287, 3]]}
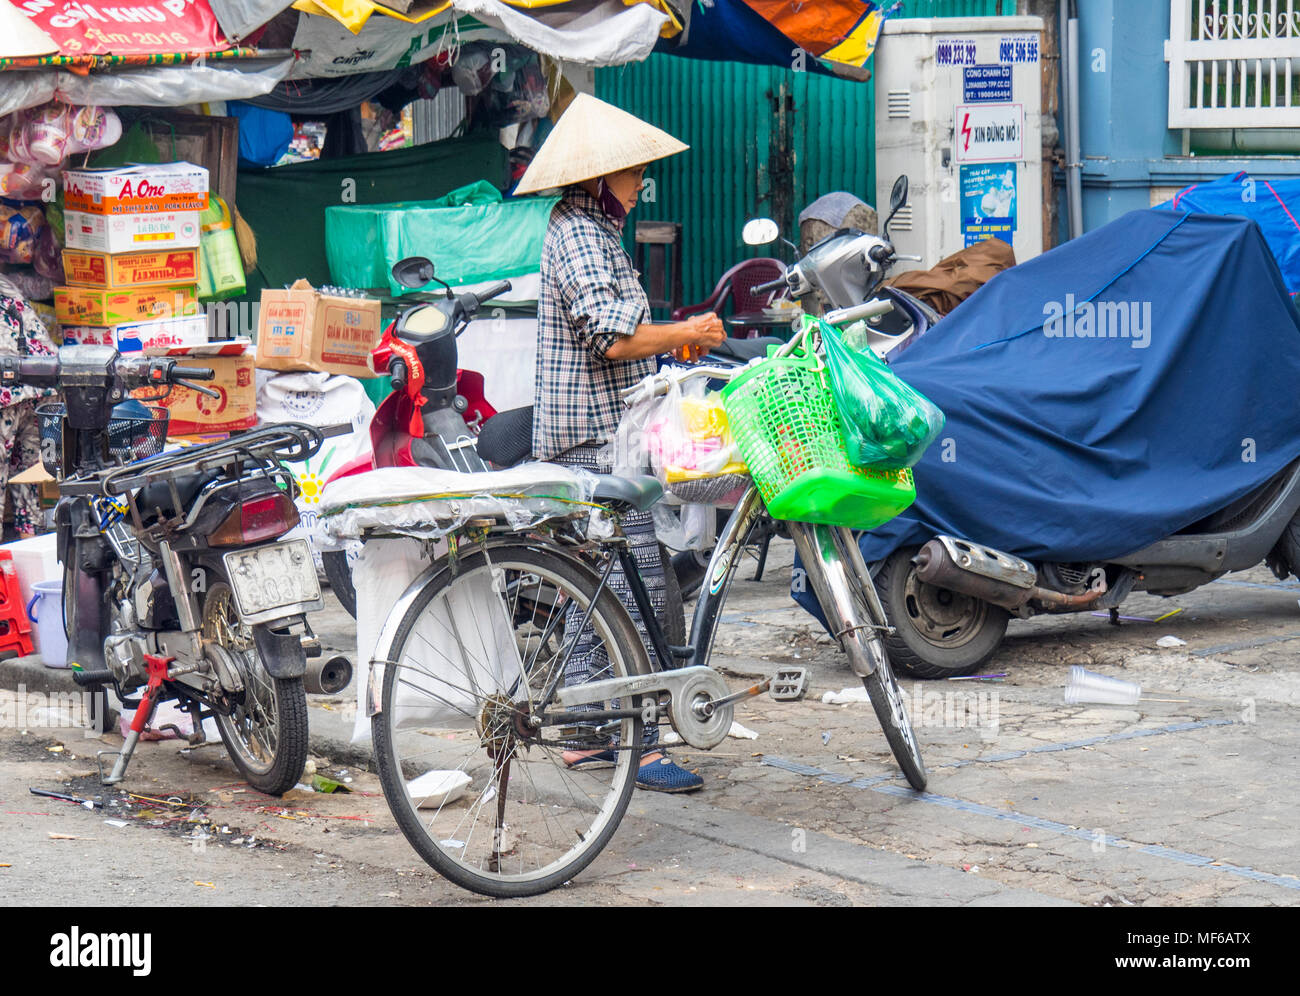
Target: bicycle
{"points": [[470, 709]]}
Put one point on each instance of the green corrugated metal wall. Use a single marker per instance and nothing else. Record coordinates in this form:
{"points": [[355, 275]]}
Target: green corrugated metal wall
{"points": [[725, 112]]}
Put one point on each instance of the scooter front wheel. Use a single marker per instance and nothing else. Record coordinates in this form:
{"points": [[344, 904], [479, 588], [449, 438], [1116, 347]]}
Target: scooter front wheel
{"points": [[338, 572]]}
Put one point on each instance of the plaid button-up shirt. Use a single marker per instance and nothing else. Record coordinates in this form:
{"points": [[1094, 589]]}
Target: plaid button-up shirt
{"points": [[589, 297]]}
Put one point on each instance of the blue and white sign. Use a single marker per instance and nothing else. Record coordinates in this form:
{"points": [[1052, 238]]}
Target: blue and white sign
{"points": [[988, 202], [986, 84]]}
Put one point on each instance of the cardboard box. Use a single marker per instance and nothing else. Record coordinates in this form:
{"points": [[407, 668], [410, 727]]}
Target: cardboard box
{"points": [[192, 413], [96, 306], [302, 329], [131, 232], [140, 189], [117, 271], [157, 338]]}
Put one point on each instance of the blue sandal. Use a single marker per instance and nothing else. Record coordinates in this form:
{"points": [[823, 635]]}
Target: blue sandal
{"points": [[664, 776]]}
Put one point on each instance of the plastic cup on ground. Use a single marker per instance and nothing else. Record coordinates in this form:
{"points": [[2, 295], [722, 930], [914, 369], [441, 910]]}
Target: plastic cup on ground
{"points": [[1087, 686]]}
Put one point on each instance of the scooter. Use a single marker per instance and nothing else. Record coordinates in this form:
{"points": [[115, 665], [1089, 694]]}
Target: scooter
{"points": [[949, 600], [432, 417], [847, 269]]}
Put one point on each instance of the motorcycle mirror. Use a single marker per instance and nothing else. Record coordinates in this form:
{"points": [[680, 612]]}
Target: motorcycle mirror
{"points": [[760, 232], [898, 195], [413, 271], [897, 198]]}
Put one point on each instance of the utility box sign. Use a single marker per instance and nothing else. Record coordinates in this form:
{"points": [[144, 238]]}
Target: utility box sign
{"points": [[988, 202], [986, 84], [989, 132], [1016, 49]]}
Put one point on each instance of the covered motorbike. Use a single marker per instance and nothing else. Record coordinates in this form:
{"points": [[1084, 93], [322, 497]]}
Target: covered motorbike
{"points": [[1119, 419]]}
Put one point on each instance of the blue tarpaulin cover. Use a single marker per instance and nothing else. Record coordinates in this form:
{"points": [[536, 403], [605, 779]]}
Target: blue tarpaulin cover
{"points": [[1064, 444], [1274, 204]]}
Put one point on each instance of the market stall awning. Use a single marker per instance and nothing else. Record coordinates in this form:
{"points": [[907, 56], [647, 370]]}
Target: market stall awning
{"points": [[511, 15], [832, 35], [146, 28]]}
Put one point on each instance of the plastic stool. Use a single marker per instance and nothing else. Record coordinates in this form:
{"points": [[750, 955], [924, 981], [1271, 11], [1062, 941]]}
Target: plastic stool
{"points": [[15, 628]]}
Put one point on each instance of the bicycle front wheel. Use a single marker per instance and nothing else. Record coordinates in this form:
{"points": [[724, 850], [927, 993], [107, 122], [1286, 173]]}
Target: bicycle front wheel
{"points": [[483, 797]]}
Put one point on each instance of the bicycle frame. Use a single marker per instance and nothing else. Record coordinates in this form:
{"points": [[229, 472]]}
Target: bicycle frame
{"points": [[834, 565]]}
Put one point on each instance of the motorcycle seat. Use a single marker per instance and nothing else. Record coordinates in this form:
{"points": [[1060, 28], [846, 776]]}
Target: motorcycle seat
{"points": [[159, 495], [507, 437], [745, 349]]}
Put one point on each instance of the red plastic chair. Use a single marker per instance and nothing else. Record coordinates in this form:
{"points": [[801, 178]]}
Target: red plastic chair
{"points": [[737, 286]]}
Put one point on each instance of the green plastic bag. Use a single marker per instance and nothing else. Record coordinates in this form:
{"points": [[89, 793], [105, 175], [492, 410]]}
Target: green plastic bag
{"points": [[887, 425]]}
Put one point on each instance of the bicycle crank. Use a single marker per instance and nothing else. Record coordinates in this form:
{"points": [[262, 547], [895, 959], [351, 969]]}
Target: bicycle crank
{"points": [[699, 703]]}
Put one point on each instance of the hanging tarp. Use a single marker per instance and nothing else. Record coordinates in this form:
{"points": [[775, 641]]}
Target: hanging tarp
{"points": [[1273, 204], [836, 36], [328, 48], [146, 28], [146, 86], [341, 38], [240, 18], [512, 16]]}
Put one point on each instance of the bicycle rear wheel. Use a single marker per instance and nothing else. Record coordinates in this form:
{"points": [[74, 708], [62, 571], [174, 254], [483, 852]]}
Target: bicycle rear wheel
{"points": [[484, 798]]}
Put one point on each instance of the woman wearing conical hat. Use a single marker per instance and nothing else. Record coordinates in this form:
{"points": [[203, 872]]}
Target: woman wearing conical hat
{"points": [[595, 339]]}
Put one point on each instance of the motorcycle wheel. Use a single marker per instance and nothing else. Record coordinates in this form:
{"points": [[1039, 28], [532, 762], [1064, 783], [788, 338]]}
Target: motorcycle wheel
{"points": [[338, 572], [939, 633], [99, 713], [265, 728]]}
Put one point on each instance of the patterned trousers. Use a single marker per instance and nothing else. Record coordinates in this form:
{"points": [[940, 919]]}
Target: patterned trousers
{"points": [[589, 662], [20, 448]]}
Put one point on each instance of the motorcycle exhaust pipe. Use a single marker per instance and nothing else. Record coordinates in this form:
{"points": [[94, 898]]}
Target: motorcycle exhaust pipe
{"points": [[327, 677], [993, 576]]}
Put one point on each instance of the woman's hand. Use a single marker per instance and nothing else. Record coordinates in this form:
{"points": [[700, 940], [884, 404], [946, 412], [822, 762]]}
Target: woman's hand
{"points": [[697, 335], [701, 333]]}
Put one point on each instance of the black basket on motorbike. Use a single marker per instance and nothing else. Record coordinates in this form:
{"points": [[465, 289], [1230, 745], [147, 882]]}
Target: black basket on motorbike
{"points": [[129, 438]]}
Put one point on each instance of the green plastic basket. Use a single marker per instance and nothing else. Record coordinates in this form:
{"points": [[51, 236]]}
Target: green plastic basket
{"points": [[787, 428]]}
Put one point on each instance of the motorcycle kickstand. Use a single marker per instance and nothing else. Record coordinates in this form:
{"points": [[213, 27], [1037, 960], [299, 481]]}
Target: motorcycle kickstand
{"points": [[158, 673]]}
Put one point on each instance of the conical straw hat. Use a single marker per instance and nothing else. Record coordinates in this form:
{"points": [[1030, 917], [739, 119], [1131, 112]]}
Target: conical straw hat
{"points": [[19, 37], [591, 139]]}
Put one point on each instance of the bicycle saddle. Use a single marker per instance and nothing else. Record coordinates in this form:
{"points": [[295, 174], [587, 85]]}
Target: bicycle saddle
{"points": [[635, 492]]}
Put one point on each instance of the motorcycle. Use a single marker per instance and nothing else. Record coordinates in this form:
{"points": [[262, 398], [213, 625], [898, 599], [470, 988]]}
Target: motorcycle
{"points": [[847, 269], [174, 584], [432, 416], [951, 598]]}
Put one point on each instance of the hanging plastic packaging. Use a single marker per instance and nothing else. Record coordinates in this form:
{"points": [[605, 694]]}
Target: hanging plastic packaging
{"points": [[222, 268], [887, 424], [684, 439], [20, 228]]}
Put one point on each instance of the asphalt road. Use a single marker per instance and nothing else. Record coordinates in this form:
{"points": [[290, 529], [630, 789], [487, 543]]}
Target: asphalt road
{"points": [[1184, 799]]}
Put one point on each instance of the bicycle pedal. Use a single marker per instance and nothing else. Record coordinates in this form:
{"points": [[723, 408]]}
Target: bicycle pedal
{"points": [[789, 684]]}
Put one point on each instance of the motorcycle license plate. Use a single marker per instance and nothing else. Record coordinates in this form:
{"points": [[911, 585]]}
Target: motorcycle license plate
{"points": [[276, 576]]}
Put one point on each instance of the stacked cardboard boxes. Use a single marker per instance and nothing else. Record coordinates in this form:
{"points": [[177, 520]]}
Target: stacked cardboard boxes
{"points": [[132, 267], [131, 258]]}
